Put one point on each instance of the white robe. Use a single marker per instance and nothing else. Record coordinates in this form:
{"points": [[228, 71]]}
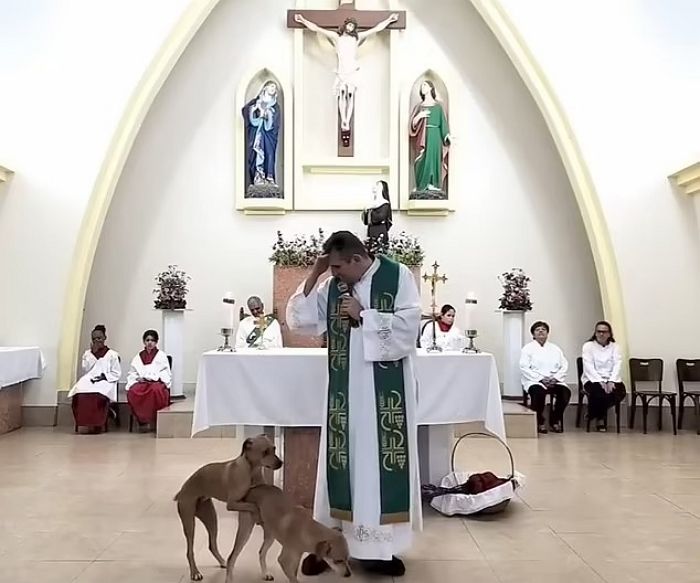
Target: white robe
{"points": [[272, 337], [108, 365], [601, 364], [538, 362], [369, 343], [158, 370], [453, 339]]}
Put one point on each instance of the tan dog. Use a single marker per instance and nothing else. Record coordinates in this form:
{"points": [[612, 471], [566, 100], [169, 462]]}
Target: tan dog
{"points": [[294, 528], [228, 482]]}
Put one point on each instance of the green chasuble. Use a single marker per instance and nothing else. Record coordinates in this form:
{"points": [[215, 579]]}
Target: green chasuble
{"points": [[393, 459], [428, 165]]}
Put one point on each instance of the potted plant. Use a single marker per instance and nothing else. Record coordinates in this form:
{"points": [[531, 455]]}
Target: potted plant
{"points": [[516, 291], [171, 293], [403, 248]]}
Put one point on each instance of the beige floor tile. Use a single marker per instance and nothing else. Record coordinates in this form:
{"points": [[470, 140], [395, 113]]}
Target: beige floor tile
{"points": [[647, 545], [128, 571], [473, 571], [519, 545], [554, 570], [646, 572], [40, 571]]}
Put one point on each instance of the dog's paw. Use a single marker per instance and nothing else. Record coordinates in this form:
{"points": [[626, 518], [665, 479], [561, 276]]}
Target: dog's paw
{"points": [[268, 577], [197, 576]]}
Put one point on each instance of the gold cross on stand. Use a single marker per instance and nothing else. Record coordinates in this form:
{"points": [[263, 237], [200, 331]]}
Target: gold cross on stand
{"points": [[434, 279]]}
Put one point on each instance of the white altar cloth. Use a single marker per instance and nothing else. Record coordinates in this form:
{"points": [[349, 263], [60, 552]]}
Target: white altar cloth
{"points": [[19, 364]]}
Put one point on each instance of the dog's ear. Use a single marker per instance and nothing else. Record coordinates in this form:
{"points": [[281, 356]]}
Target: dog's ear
{"points": [[247, 444], [323, 549]]}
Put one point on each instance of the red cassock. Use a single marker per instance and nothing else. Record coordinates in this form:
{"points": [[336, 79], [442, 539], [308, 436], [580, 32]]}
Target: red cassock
{"points": [[91, 409], [146, 398]]}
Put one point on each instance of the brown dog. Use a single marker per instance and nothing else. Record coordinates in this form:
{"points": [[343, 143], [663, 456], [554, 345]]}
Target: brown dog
{"points": [[228, 482], [294, 528]]}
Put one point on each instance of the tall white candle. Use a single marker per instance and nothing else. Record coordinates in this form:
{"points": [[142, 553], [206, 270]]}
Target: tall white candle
{"points": [[229, 307], [469, 307]]}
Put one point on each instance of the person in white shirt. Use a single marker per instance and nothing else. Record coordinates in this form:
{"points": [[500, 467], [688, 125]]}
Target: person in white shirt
{"points": [[543, 369], [94, 391], [252, 327], [447, 335], [602, 363]]}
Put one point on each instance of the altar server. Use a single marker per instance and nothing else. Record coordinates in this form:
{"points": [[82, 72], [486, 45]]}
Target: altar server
{"points": [[368, 483], [256, 325], [148, 381], [543, 367], [97, 387], [447, 335]]}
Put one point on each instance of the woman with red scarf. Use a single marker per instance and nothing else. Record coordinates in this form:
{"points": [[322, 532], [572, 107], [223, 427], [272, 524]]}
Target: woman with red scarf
{"points": [[93, 392], [447, 335], [148, 381]]}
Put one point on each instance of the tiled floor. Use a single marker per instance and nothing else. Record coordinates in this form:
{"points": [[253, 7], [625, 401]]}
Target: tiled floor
{"points": [[98, 509]]}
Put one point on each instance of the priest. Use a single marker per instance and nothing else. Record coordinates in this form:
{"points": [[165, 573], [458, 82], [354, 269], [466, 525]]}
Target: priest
{"points": [[368, 482], [258, 327]]}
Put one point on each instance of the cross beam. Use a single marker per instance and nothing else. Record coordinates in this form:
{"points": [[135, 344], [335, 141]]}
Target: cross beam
{"points": [[334, 19]]}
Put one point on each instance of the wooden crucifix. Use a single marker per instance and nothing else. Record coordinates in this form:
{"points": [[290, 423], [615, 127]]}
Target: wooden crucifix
{"points": [[349, 28]]}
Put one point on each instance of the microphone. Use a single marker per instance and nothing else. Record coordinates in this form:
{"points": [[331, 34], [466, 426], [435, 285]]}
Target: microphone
{"points": [[346, 292]]}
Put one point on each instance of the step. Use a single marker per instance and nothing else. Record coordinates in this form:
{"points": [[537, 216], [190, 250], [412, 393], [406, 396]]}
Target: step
{"points": [[176, 421]]}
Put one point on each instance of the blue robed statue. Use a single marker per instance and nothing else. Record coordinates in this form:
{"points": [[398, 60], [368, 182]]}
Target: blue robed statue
{"points": [[262, 117]]}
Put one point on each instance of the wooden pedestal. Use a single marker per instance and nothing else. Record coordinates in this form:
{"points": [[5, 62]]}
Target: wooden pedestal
{"points": [[300, 463]]}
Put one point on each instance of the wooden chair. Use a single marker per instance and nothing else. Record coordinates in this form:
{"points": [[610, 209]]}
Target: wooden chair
{"points": [[650, 370], [549, 404], [131, 413], [583, 397], [688, 372]]}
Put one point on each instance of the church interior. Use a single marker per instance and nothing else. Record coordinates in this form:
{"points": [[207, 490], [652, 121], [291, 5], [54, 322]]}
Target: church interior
{"points": [[499, 381]]}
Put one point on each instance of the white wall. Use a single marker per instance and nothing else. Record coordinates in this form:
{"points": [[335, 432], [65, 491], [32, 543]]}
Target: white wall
{"points": [[174, 203], [68, 69], [628, 75]]}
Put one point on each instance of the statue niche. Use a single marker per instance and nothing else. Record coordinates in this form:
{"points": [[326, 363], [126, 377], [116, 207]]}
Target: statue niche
{"points": [[264, 126]]}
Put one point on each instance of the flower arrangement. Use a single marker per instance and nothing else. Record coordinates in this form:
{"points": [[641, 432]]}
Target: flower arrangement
{"points": [[172, 289], [403, 248], [299, 252], [516, 293]]}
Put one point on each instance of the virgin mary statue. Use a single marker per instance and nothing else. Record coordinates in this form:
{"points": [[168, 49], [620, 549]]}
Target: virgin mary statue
{"points": [[430, 140], [262, 120]]}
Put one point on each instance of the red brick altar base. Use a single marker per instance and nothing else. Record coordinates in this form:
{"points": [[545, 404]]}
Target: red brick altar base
{"points": [[10, 408]]}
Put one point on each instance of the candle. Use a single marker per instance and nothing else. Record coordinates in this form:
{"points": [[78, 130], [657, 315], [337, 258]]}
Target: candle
{"points": [[229, 304], [469, 307]]}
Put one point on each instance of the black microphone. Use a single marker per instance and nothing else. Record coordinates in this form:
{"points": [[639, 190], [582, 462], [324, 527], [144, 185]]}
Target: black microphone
{"points": [[346, 292]]}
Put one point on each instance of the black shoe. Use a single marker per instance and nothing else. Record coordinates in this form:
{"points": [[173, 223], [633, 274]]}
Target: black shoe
{"points": [[542, 429], [393, 568], [312, 566], [557, 428]]}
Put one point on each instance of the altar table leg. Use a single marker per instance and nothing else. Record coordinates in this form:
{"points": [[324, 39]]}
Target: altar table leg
{"points": [[10, 408], [300, 463], [434, 452]]}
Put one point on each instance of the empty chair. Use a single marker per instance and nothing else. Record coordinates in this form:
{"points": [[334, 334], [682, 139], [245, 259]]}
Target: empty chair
{"points": [[688, 372], [650, 370]]}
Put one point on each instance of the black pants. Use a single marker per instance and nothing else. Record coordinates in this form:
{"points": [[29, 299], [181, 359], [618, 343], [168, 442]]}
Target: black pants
{"points": [[538, 394], [599, 401]]}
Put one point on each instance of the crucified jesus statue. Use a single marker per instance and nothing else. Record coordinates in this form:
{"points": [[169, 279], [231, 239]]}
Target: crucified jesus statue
{"points": [[346, 41]]}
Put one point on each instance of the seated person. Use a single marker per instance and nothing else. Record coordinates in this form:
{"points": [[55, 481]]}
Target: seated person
{"points": [[601, 378], [97, 387], [543, 368], [252, 327], [148, 381], [448, 336]]}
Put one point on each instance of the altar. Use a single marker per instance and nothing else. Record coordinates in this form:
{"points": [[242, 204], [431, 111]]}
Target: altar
{"points": [[17, 364], [285, 388]]}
